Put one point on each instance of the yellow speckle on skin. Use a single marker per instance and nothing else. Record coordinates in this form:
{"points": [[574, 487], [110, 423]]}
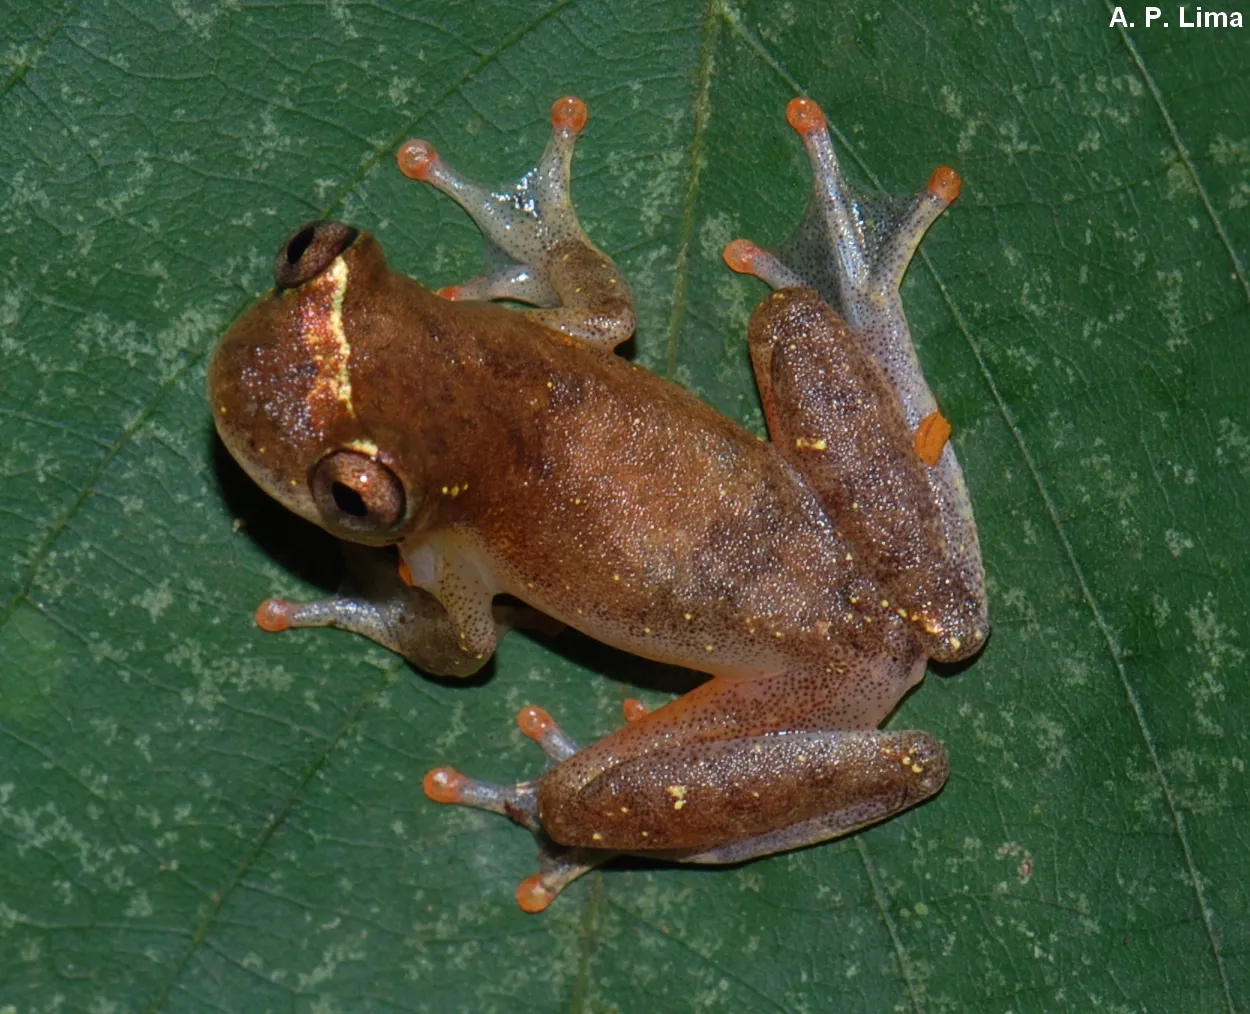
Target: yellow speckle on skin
{"points": [[688, 616], [906, 759], [802, 758], [885, 603], [917, 769], [597, 836], [616, 577], [646, 630], [364, 447], [678, 792], [809, 444], [624, 809], [955, 643], [708, 647]]}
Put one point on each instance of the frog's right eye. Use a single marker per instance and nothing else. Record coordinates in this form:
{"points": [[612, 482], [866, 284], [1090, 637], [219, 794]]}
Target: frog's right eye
{"points": [[357, 494], [309, 250]]}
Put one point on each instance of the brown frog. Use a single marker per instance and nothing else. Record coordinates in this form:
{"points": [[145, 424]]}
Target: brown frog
{"points": [[508, 451]]}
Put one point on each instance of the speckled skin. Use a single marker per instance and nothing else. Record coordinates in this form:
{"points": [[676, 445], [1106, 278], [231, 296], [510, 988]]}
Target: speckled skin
{"points": [[511, 452]]}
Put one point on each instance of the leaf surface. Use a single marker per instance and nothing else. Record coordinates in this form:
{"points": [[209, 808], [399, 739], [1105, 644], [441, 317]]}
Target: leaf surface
{"points": [[196, 816]]}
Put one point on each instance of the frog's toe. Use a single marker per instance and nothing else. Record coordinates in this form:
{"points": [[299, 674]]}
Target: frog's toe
{"points": [[746, 258], [557, 868], [512, 281], [517, 802]]}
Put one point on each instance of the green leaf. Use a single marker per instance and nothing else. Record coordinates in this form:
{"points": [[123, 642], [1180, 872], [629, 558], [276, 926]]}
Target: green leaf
{"points": [[196, 816]]}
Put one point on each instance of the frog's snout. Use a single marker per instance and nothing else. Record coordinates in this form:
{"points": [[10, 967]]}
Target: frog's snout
{"points": [[309, 250]]}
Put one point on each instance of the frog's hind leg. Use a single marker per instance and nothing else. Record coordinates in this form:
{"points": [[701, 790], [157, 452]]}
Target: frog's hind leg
{"points": [[730, 771], [536, 249], [558, 865], [847, 402]]}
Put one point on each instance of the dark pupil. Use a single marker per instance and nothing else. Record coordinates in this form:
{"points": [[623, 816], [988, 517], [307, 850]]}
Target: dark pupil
{"points": [[348, 500], [299, 243]]}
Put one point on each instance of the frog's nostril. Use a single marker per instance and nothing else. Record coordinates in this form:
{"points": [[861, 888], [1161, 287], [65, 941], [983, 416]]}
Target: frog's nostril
{"points": [[309, 250]]}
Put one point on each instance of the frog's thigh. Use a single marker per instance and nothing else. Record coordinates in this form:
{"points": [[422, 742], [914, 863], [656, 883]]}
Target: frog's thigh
{"points": [[834, 416]]}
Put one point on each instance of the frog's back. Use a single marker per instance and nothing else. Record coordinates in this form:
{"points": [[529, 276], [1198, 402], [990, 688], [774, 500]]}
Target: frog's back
{"points": [[622, 504]]}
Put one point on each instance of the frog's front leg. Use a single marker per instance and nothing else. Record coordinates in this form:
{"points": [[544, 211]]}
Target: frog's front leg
{"points": [[385, 604], [732, 771], [536, 249]]}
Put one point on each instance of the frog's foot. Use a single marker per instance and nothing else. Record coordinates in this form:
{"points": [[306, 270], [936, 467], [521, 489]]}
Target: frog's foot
{"points": [[536, 249], [558, 866], [851, 247]]}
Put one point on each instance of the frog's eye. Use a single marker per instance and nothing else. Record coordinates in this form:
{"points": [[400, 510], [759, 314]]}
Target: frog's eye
{"points": [[309, 250], [357, 494]]}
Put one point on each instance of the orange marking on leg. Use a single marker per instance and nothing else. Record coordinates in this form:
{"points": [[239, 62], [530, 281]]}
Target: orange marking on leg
{"points": [[274, 615], [532, 896], [569, 114], [805, 116], [405, 573], [443, 785], [452, 292], [534, 722], [416, 159], [931, 437], [944, 184], [740, 255], [634, 709]]}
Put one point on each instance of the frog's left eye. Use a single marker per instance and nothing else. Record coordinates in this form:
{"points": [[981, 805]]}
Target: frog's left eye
{"points": [[309, 250], [357, 494]]}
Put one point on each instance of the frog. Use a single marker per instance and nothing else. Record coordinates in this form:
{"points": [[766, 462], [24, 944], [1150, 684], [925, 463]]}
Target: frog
{"points": [[518, 471]]}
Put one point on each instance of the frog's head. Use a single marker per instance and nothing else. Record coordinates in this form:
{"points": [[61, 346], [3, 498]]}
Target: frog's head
{"points": [[281, 388]]}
